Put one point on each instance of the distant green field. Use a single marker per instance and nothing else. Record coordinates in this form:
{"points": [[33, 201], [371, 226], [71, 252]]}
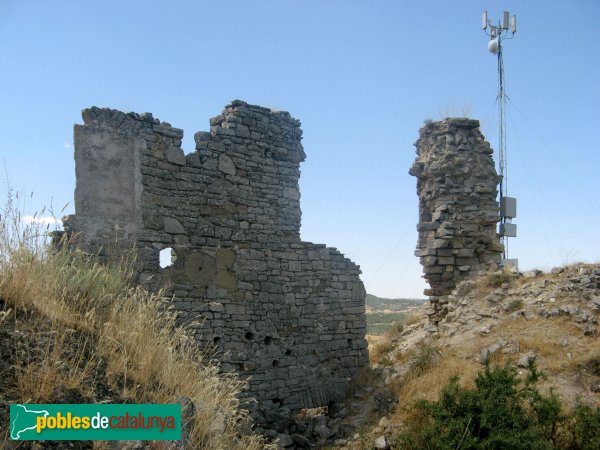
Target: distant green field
{"points": [[378, 323], [393, 304]]}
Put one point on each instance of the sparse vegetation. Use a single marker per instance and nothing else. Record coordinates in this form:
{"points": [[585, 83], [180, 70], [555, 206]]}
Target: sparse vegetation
{"points": [[424, 358], [413, 318], [380, 350], [499, 278], [514, 305], [364, 377], [86, 334]]}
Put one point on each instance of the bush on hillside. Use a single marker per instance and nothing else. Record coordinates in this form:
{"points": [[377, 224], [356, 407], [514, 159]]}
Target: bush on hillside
{"points": [[500, 412]]}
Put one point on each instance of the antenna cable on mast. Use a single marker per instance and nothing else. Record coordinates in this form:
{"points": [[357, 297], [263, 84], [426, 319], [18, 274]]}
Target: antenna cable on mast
{"points": [[508, 205]]}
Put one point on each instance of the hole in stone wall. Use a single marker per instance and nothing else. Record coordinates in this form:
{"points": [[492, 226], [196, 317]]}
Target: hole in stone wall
{"points": [[275, 363], [249, 335], [268, 340], [166, 257], [216, 339], [350, 343], [288, 352]]}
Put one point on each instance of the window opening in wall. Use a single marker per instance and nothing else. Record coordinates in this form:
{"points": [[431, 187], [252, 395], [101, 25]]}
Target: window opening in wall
{"points": [[166, 257]]}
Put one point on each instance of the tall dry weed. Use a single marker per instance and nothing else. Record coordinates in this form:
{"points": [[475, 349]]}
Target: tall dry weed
{"points": [[128, 331]]}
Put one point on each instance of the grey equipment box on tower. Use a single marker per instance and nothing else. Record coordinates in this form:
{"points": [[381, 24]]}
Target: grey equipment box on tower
{"points": [[508, 207], [510, 262], [508, 229]]}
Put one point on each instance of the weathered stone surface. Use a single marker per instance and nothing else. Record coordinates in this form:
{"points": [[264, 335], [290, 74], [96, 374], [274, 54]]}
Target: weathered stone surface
{"points": [[525, 359], [226, 165], [173, 226], [287, 315], [380, 443], [458, 211], [175, 155], [284, 441], [200, 269]]}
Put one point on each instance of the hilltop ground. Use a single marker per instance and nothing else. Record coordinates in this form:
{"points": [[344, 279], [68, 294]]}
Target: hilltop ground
{"points": [[501, 318]]}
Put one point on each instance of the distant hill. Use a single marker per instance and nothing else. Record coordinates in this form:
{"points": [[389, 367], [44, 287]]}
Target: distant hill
{"points": [[392, 304], [382, 313]]}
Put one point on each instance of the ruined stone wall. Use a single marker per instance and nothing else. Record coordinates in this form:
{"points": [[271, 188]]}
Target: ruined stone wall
{"points": [[289, 316], [458, 211]]}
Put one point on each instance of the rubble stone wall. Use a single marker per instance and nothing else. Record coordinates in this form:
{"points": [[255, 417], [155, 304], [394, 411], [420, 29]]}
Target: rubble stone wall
{"points": [[287, 315], [458, 211]]}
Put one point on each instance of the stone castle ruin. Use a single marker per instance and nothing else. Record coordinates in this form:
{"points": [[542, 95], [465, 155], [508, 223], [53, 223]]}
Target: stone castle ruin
{"points": [[287, 315], [458, 211]]}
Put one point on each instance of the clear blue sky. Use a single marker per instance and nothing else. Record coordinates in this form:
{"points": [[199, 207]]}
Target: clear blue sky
{"points": [[360, 75]]}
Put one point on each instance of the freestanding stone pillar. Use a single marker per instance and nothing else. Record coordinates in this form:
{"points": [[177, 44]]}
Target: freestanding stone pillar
{"points": [[458, 211]]}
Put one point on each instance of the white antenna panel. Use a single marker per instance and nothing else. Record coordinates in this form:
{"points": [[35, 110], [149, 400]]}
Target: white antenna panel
{"points": [[484, 21], [513, 24], [505, 20]]}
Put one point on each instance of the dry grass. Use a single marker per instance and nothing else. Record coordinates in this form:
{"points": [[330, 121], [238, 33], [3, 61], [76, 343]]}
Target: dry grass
{"points": [[427, 381], [414, 317], [381, 346], [453, 109], [93, 318], [380, 350], [553, 341], [40, 376], [498, 279], [364, 377]]}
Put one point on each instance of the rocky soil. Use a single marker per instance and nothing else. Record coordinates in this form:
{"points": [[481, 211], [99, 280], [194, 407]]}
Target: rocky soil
{"points": [[499, 318]]}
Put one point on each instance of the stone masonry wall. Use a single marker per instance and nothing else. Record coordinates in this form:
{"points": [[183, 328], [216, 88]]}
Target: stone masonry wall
{"points": [[287, 315], [458, 211]]}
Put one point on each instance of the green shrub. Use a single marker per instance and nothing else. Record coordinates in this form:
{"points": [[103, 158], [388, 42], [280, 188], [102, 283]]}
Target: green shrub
{"points": [[586, 428], [501, 412]]}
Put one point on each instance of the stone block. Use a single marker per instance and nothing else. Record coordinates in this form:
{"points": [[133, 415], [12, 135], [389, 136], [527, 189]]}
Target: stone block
{"points": [[226, 165], [446, 260], [173, 226], [176, 156]]}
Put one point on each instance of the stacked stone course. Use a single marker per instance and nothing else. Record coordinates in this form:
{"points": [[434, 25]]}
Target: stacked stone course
{"points": [[287, 315], [458, 211]]}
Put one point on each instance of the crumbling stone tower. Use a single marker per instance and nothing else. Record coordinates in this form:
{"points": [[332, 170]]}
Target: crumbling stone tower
{"points": [[287, 315], [458, 211]]}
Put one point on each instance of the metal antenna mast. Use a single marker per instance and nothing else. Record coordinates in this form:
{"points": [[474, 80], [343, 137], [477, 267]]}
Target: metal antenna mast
{"points": [[508, 205]]}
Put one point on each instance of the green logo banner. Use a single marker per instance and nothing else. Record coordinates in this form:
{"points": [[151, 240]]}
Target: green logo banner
{"points": [[95, 422]]}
